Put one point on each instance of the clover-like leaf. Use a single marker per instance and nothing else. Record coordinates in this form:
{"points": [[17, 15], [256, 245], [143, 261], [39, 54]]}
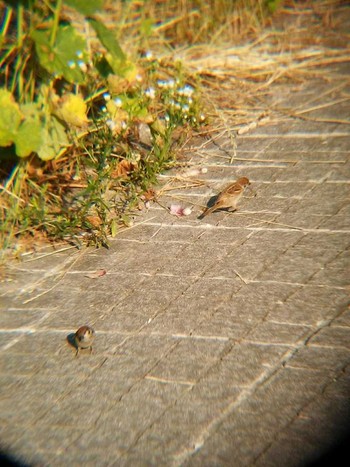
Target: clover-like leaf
{"points": [[72, 110], [30, 132], [10, 118], [67, 57], [54, 138]]}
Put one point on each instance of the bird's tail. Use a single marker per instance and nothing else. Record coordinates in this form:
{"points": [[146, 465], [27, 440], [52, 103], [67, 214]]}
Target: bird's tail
{"points": [[207, 211]]}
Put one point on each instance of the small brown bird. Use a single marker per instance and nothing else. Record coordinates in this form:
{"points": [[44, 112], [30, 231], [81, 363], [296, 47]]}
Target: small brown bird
{"points": [[83, 338], [228, 197]]}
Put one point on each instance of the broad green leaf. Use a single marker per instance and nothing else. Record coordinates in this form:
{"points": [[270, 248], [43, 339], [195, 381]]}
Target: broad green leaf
{"points": [[29, 136], [67, 57], [10, 118], [125, 69], [54, 139], [108, 39], [85, 7], [72, 110]]}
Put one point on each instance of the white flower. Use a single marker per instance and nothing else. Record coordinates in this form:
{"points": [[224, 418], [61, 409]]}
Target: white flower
{"points": [[106, 96], [151, 93], [82, 65], [118, 102], [186, 90], [111, 124], [161, 83]]}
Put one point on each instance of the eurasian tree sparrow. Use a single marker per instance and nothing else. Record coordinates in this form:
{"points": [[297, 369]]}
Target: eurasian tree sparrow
{"points": [[228, 197], [83, 338]]}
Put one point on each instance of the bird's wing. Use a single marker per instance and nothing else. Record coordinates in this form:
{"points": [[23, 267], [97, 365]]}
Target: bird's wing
{"points": [[232, 189]]}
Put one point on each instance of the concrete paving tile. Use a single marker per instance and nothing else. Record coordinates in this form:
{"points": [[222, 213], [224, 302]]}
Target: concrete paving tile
{"points": [[27, 411], [293, 267], [245, 363], [7, 338], [334, 241], [318, 358], [299, 220], [235, 265], [311, 206], [286, 189], [230, 444], [10, 383], [193, 260], [10, 435], [43, 446], [253, 143], [125, 421], [303, 439], [221, 324], [71, 300], [126, 320], [309, 305], [178, 323], [340, 221], [277, 333], [332, 277], [17, 318], [264, 204], [344, 318], [189, 359], [90, 457], [120, 285], [220, 288], [341, 172], [332, 336], [24, 453], [45, 343], [177, 234], [139, 232], [19, 364], [223, 236], [304, 171], [126, 367], [142, 345]]}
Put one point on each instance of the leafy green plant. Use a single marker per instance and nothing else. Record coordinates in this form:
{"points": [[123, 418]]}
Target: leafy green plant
{"points": [[83, 132]]}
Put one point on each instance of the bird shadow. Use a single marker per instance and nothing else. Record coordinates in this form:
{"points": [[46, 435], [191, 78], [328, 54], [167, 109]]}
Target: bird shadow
{"points": [[212, 201], [71, 340]]}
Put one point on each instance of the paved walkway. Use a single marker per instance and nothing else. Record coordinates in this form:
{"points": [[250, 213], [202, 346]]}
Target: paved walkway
{"points": [[221, 342]]}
